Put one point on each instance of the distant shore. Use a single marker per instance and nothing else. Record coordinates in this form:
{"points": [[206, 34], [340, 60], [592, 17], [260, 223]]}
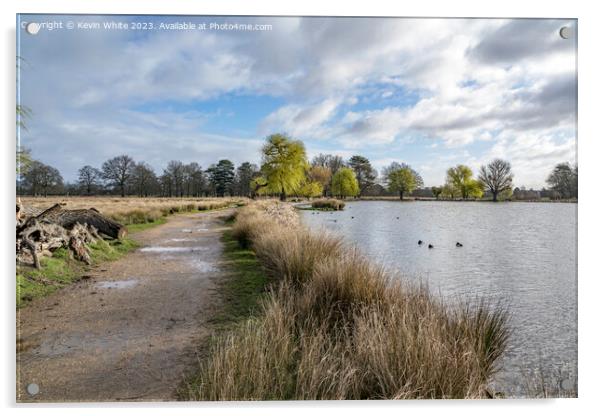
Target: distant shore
{"points": [[419, 198]]}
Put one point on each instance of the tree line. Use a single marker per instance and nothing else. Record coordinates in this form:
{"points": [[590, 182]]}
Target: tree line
{"points": [[285, 171], [122, 175]]}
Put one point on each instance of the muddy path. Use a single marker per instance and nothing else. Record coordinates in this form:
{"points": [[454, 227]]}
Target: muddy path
{"points": [[131, 330]]}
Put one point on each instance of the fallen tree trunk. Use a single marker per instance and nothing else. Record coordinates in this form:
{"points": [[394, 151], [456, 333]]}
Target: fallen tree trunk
{"points": [[68, 218], [45, 231], [91, 217]]}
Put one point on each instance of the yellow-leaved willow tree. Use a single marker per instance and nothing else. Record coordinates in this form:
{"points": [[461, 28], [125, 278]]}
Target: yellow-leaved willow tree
{"points": [[284, 166]]}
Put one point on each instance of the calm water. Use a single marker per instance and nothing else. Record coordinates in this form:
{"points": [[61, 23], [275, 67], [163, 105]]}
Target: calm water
{"points": [[521, 253]]}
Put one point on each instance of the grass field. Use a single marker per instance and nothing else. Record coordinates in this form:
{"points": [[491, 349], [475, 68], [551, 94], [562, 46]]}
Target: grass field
{"points": [[134, 210]]}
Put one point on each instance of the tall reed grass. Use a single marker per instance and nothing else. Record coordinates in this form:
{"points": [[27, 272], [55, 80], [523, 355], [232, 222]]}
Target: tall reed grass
{"points": [[337, 326]]}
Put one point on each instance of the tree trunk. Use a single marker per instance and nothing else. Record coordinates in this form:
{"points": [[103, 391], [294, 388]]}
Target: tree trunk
{"points": [[69, 218], [401, 195], [494, 196], [104, 225]]}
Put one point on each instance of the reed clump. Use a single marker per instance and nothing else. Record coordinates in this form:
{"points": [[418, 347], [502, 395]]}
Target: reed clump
{"points": [[337, 326], [329, 204]]}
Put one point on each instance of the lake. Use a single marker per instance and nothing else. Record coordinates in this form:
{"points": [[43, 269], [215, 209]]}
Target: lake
{"points": [[523, 254]]}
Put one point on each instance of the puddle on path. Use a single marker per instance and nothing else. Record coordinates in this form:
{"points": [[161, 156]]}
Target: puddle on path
{"points": [[204, 266], [160, 249], [179, 240], [76, 342], [117, 284]]}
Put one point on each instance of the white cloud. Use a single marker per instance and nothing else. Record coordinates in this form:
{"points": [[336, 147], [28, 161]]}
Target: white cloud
{"points": [[300, 120], [534, 154]]}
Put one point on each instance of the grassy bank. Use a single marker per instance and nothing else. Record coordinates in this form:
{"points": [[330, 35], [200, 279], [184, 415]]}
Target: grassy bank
{"points": [[336, 326], [244, 286], [61, 270]]}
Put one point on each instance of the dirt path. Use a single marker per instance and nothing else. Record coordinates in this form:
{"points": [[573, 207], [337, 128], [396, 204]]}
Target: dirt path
{"points": [[130, 331]]}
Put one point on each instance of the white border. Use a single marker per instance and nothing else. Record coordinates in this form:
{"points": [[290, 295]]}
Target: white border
{"points": [[589, 160]]}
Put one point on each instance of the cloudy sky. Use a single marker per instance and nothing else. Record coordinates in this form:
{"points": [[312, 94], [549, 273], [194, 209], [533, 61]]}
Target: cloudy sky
{"points": [[429, 92]]}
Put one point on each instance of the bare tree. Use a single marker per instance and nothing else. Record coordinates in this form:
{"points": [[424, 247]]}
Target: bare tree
{"points": [[194, 179], [50, 179], [41, 178], [143, 179], [332, 162], [118, 171], [198, 178], [166, 184], [89, 178], [496, 177], [175, 172]]}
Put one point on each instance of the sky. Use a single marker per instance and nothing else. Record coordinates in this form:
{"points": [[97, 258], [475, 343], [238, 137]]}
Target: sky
{"points": [[432, 93]]}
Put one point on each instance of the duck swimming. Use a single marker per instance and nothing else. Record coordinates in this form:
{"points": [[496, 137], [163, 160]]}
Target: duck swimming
{"points": [[419, 242], [431, 246], [458, 244]]}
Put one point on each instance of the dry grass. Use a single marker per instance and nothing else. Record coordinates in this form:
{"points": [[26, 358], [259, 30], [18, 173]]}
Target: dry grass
{"points": [[338, 327], [135, 210], [294, 255], [260, 217], [328, 204]]}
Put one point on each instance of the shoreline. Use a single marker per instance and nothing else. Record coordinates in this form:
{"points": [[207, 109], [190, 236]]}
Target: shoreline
{"points": [[423, 199]]}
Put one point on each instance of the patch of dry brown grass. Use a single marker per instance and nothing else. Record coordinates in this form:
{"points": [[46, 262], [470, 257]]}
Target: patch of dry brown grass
{"points": [[133, 210]]}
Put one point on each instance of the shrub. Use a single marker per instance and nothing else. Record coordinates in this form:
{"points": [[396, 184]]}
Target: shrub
{"points": [[328, 204]]}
